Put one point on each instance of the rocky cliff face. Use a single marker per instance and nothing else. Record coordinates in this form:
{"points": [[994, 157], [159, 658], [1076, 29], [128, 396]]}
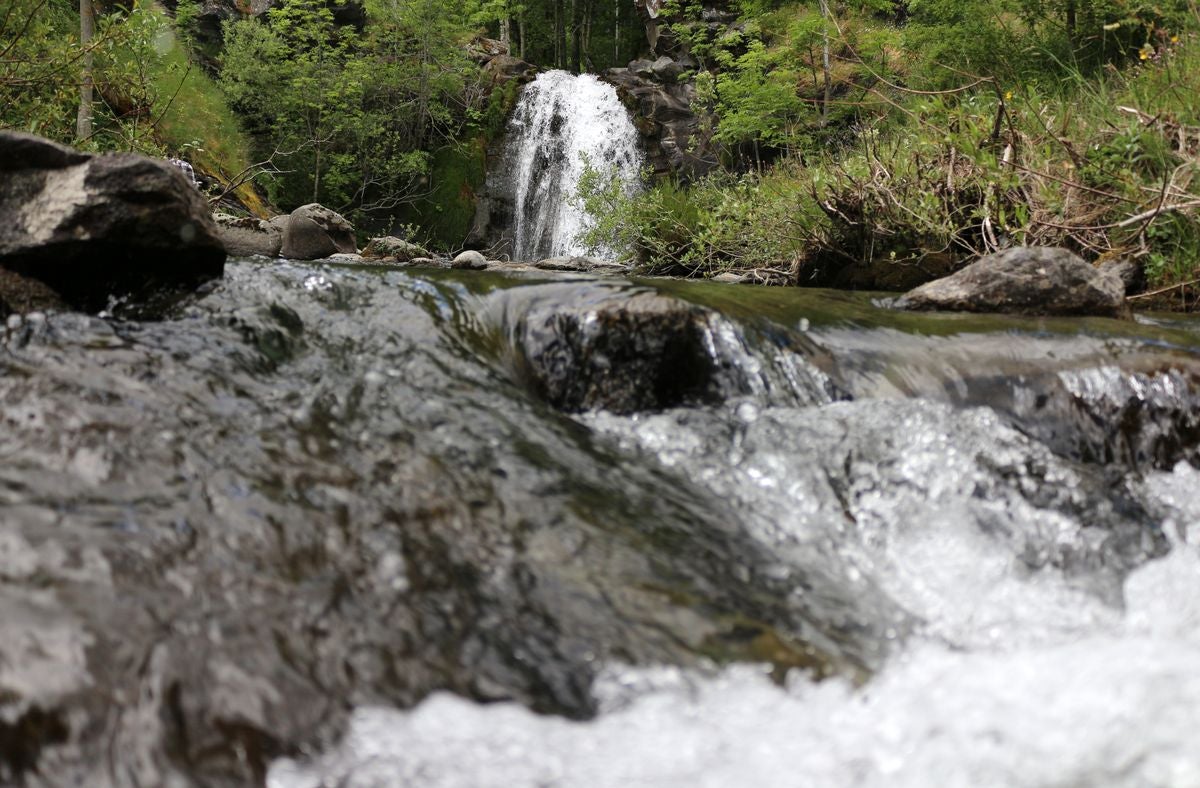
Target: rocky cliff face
{"points": [[678, 141], [661, 92], [715, 14]]}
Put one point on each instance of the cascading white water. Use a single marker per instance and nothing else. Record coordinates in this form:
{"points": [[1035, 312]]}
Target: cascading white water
{"points": [[563, 123]]}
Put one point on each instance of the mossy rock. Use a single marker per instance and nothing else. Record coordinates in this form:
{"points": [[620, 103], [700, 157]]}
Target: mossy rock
{"points": [[393, 248]]}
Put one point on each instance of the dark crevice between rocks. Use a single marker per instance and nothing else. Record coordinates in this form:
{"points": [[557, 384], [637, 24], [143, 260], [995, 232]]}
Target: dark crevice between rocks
{"points": [[121, 279], [22, 742]]}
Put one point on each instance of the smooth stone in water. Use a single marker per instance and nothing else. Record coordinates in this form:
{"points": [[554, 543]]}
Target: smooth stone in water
{"points": [[581, 264], [1026, 281]]}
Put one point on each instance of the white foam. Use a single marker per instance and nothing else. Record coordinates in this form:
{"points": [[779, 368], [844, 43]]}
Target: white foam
{"points": [[1114, 701], [562, 122]]}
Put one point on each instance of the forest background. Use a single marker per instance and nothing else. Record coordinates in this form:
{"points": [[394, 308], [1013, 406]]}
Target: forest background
{"points": [[865, 143]]}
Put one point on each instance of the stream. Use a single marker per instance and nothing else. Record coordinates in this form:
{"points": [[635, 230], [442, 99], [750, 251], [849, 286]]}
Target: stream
{"points": [[322, 526]]}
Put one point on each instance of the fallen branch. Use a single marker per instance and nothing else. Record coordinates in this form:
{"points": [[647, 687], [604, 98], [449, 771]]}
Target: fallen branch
{"points": [[1164, 290]]}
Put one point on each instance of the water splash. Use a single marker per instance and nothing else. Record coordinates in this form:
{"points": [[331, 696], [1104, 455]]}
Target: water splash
{"points": [[562, 122]]}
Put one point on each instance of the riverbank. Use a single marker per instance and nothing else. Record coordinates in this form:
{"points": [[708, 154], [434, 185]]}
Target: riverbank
{"points": [[924, 176]]}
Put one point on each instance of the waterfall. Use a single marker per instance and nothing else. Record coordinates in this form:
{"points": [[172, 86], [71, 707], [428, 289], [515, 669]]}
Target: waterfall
{"points": [[561, 122]]}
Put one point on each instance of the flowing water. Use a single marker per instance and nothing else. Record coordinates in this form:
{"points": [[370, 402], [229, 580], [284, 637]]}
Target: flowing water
{"points": [[562, 124], [320, 527]]}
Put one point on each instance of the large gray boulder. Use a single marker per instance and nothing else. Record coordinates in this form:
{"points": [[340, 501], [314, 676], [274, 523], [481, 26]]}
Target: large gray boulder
{"points": [[91, 228], [1027, 281], [314, 232], [246, 236]]}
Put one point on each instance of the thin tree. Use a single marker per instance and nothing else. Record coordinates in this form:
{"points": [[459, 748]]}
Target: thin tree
{"points": [[616, 32], [87, 30], [825, 66]]}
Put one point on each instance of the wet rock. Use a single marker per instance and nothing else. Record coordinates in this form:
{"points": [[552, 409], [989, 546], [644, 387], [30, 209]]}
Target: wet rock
{"points": [[314, 232], [581, 264], [642, 68], [22, 294], [246, 236], [493, 223], [470, 259], [223, 532], [1142, 414], [92, 228], [623, 354], [1027, 281], [390, 248]]}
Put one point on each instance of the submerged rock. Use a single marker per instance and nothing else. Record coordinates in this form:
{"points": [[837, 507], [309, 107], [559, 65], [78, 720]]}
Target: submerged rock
{"points": [[1140, 414], [623, 354], [246, 236], [1024, 280], [92, 228], [314, 232]]}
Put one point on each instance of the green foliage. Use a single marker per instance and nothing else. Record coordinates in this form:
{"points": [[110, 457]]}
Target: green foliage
{"points": [[724, 222], [350, 121], [1106, 164], [150, 98], [38, 92]]}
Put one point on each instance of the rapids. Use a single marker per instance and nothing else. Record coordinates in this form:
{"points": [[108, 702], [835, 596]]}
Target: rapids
{"points": [[317, 528]]}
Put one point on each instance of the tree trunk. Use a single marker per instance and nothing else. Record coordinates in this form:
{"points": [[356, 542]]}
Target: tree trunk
{"points": [[587, 33], [576, 38], [560, 34], [1071, 21], [317, 174], [616, 32], [87, 30], [506, 32], [521, 32], [825, 65]]}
